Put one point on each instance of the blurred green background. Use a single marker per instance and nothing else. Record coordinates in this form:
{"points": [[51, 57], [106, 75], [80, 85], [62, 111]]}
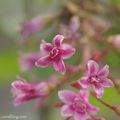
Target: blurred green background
{"points": [[12, 12]]}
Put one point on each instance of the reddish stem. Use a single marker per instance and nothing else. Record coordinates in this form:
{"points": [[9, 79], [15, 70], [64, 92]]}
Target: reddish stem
{"points": [[103, 102]]}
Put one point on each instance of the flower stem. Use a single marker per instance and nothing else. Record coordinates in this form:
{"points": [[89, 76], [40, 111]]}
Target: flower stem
{"points": [[103, 102], [111, 107]]}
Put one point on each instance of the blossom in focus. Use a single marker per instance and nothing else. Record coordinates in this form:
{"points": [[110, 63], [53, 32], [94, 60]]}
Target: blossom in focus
{"points": [[54, 54], [24, 91], [96, 78], [27, 61], [76, 105], [32, 26]]}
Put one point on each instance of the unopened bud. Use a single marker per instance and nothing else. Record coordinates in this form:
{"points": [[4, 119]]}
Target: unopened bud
{"points": [[76, 85]]}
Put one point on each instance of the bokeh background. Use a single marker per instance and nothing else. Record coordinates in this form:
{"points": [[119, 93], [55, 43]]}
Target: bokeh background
{"points": [[12, 13]]}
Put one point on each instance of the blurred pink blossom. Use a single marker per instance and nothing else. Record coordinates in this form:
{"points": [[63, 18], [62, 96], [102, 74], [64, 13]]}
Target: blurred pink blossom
{"points": [[32, 26], [54, 54], [71, 31], [24, 91], [27, 61], [76, 105]]}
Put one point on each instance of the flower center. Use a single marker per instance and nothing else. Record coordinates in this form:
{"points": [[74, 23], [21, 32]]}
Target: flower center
{"points": [[78, 105], [94, 79], [55, 52]]}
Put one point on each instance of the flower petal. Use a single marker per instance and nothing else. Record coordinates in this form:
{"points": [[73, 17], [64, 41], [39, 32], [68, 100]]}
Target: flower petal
{"points": [[43, 62], [107, 83], [84, 95], [84, 82], [27, 61], [92, 67], [92, 110], [45, 47], [20, 86], [57, 40], [99, 91], [104, 72], [66, 111], [79, 116], [66, 96], [21, 99], [68, 51], [59, 66]]}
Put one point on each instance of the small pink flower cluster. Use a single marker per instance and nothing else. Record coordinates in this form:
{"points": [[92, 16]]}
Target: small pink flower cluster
{"points": [[81, 32], [50, 54], [74, 105]]}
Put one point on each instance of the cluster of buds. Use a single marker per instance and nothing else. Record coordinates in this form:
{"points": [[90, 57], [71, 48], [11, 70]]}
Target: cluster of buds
{"points": [[80, 36]]}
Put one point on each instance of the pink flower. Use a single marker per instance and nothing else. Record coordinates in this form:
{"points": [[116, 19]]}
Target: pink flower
{"points": [[96, 78], [54, 54], [76, 105], [24, 91], [27, 61], [32, 26]]}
